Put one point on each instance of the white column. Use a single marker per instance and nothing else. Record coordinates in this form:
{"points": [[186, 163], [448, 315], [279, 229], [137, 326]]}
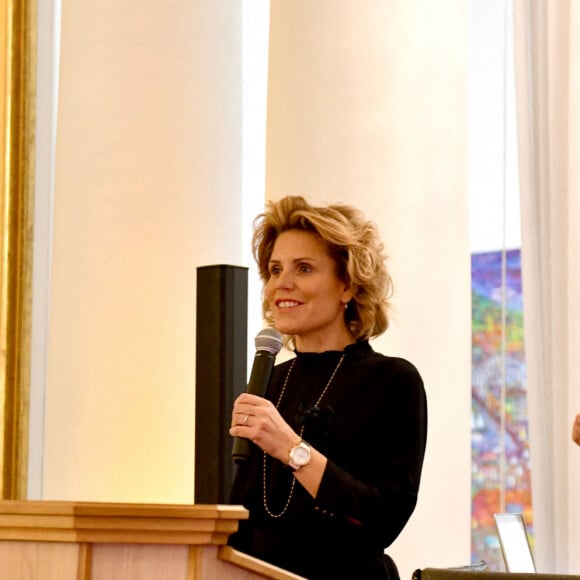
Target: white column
{"points": [[368, 105], [148, 187], [48, 53]]}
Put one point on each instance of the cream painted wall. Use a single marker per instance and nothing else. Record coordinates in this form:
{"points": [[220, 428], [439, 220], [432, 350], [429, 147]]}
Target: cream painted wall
{"points": [[368, 105], [148, 187]]}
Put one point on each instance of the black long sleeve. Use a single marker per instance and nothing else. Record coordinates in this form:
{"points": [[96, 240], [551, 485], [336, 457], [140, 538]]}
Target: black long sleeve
{"points": [[371, 425], [375, 483]]}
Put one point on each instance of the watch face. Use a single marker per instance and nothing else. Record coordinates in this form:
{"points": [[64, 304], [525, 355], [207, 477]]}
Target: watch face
{"points": [[300, 455]]}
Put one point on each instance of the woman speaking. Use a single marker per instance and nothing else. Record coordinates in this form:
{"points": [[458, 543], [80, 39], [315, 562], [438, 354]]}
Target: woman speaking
{"points": [[340, 435]]}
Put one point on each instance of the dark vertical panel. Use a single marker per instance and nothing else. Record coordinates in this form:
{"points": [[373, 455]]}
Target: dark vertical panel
{"points": [[221, 374]]}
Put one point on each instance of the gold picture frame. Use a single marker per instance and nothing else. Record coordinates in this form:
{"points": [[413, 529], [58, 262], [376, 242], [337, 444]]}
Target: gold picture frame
{"points": [[17, 117]]}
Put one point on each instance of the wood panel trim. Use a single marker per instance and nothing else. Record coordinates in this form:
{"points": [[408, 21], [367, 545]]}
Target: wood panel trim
{"points": [[228, 554], [118, 523], [84, 571]]}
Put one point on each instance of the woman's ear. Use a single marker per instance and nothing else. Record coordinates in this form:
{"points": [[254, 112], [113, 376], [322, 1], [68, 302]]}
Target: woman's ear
{"points": [[350, 290]]}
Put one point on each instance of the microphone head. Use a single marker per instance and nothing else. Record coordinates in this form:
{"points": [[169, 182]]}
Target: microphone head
{"points": [[270, 340]]}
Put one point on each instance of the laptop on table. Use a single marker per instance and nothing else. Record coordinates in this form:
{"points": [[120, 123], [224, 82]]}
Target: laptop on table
{"points": [[514, 542]]}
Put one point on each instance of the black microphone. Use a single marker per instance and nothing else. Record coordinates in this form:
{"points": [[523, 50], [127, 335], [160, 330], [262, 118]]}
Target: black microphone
{"points": [[268, 344]]}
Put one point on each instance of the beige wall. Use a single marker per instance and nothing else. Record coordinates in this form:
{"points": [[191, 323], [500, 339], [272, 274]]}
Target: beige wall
{"points": [[367, 105], [148, 187]]}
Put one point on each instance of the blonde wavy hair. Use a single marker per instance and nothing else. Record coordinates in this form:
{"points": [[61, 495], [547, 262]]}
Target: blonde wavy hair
{"points": [[353, 242]]}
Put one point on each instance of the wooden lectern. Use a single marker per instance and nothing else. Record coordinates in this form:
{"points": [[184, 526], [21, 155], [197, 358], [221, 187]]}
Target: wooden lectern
{"points": [[45, 540]]}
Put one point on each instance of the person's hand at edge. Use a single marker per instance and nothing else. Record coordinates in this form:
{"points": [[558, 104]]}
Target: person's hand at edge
{"points": [[576, 430]]}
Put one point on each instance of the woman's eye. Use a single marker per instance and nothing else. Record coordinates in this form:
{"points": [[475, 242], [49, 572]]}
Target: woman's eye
{"points": [[305, 268], [274, 270]]}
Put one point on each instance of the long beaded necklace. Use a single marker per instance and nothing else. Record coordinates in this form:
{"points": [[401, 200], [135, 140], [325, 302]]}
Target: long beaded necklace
{"points": [[264, 463]]}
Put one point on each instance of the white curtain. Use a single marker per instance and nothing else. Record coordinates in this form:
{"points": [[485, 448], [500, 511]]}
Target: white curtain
{"points": [[547, 52]]}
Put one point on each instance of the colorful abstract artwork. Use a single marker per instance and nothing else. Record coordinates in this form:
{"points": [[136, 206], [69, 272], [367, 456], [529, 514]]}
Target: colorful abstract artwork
{"points": [[500, 478]]}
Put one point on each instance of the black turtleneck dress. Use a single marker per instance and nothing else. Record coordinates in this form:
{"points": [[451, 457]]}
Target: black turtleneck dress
{"points": [[371, 424]]}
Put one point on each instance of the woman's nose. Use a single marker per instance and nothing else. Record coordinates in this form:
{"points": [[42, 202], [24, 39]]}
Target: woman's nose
{"points": [[285, 280]]}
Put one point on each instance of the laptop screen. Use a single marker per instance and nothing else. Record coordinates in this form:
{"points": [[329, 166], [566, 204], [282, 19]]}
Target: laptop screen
{"points": [[515, 546]]}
